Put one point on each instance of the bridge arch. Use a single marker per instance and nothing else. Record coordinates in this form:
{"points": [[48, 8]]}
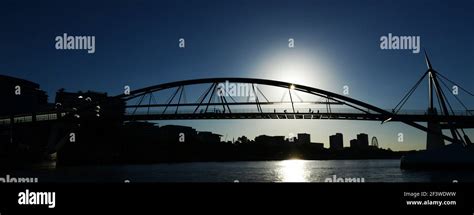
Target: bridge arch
{"points": [[351, 102]]}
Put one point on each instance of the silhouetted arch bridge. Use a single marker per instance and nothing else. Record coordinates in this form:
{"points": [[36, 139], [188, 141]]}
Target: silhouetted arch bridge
{"points": [[217, 102]]}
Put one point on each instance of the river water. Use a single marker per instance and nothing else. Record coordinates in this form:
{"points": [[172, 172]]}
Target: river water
{"points": [[250, 171]]}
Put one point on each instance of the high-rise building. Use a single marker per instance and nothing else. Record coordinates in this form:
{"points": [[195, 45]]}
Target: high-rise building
{"points": [[20, 96], [304, 138], [265, 139], [336, 142], [363, 140], [108, 107], [354, 143]]}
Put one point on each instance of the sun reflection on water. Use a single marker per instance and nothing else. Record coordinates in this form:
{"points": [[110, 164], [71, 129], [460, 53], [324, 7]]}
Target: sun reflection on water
{"points": [[293, 171]]}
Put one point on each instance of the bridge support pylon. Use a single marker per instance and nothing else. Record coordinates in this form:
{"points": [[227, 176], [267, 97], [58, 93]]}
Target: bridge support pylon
{"points": [[434, 140]]}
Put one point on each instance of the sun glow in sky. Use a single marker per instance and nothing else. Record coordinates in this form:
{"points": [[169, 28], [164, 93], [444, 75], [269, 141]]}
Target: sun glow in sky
{"points": [[298, 66]]}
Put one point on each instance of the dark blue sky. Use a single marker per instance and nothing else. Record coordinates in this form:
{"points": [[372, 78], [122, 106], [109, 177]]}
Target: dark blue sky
{"points": [[137, 45]]}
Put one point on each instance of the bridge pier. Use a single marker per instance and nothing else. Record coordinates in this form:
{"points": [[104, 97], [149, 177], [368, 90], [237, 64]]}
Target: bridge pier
{"points": [[434, 140]]}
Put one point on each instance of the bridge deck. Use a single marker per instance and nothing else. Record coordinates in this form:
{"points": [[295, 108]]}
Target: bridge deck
{"points": [[459, 121]]}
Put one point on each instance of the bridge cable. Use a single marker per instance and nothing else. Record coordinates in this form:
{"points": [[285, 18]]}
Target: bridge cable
{"points": [[259, 108], [452, 111], [459, 100], [211, 96], [203, 97], [262, 94], [443, 101], [171, 99], [296, 94], [223, 104], [179, 99], [291, 99], [407, 95], [452, 82], [149, 104], [328, 106], [184, 97], [450, 123], [154, 100], [228, 107], [139, 103]]}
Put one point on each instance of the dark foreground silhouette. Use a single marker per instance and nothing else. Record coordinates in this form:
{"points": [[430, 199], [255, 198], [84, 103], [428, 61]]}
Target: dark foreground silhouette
{"points": [[140, 142]]}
